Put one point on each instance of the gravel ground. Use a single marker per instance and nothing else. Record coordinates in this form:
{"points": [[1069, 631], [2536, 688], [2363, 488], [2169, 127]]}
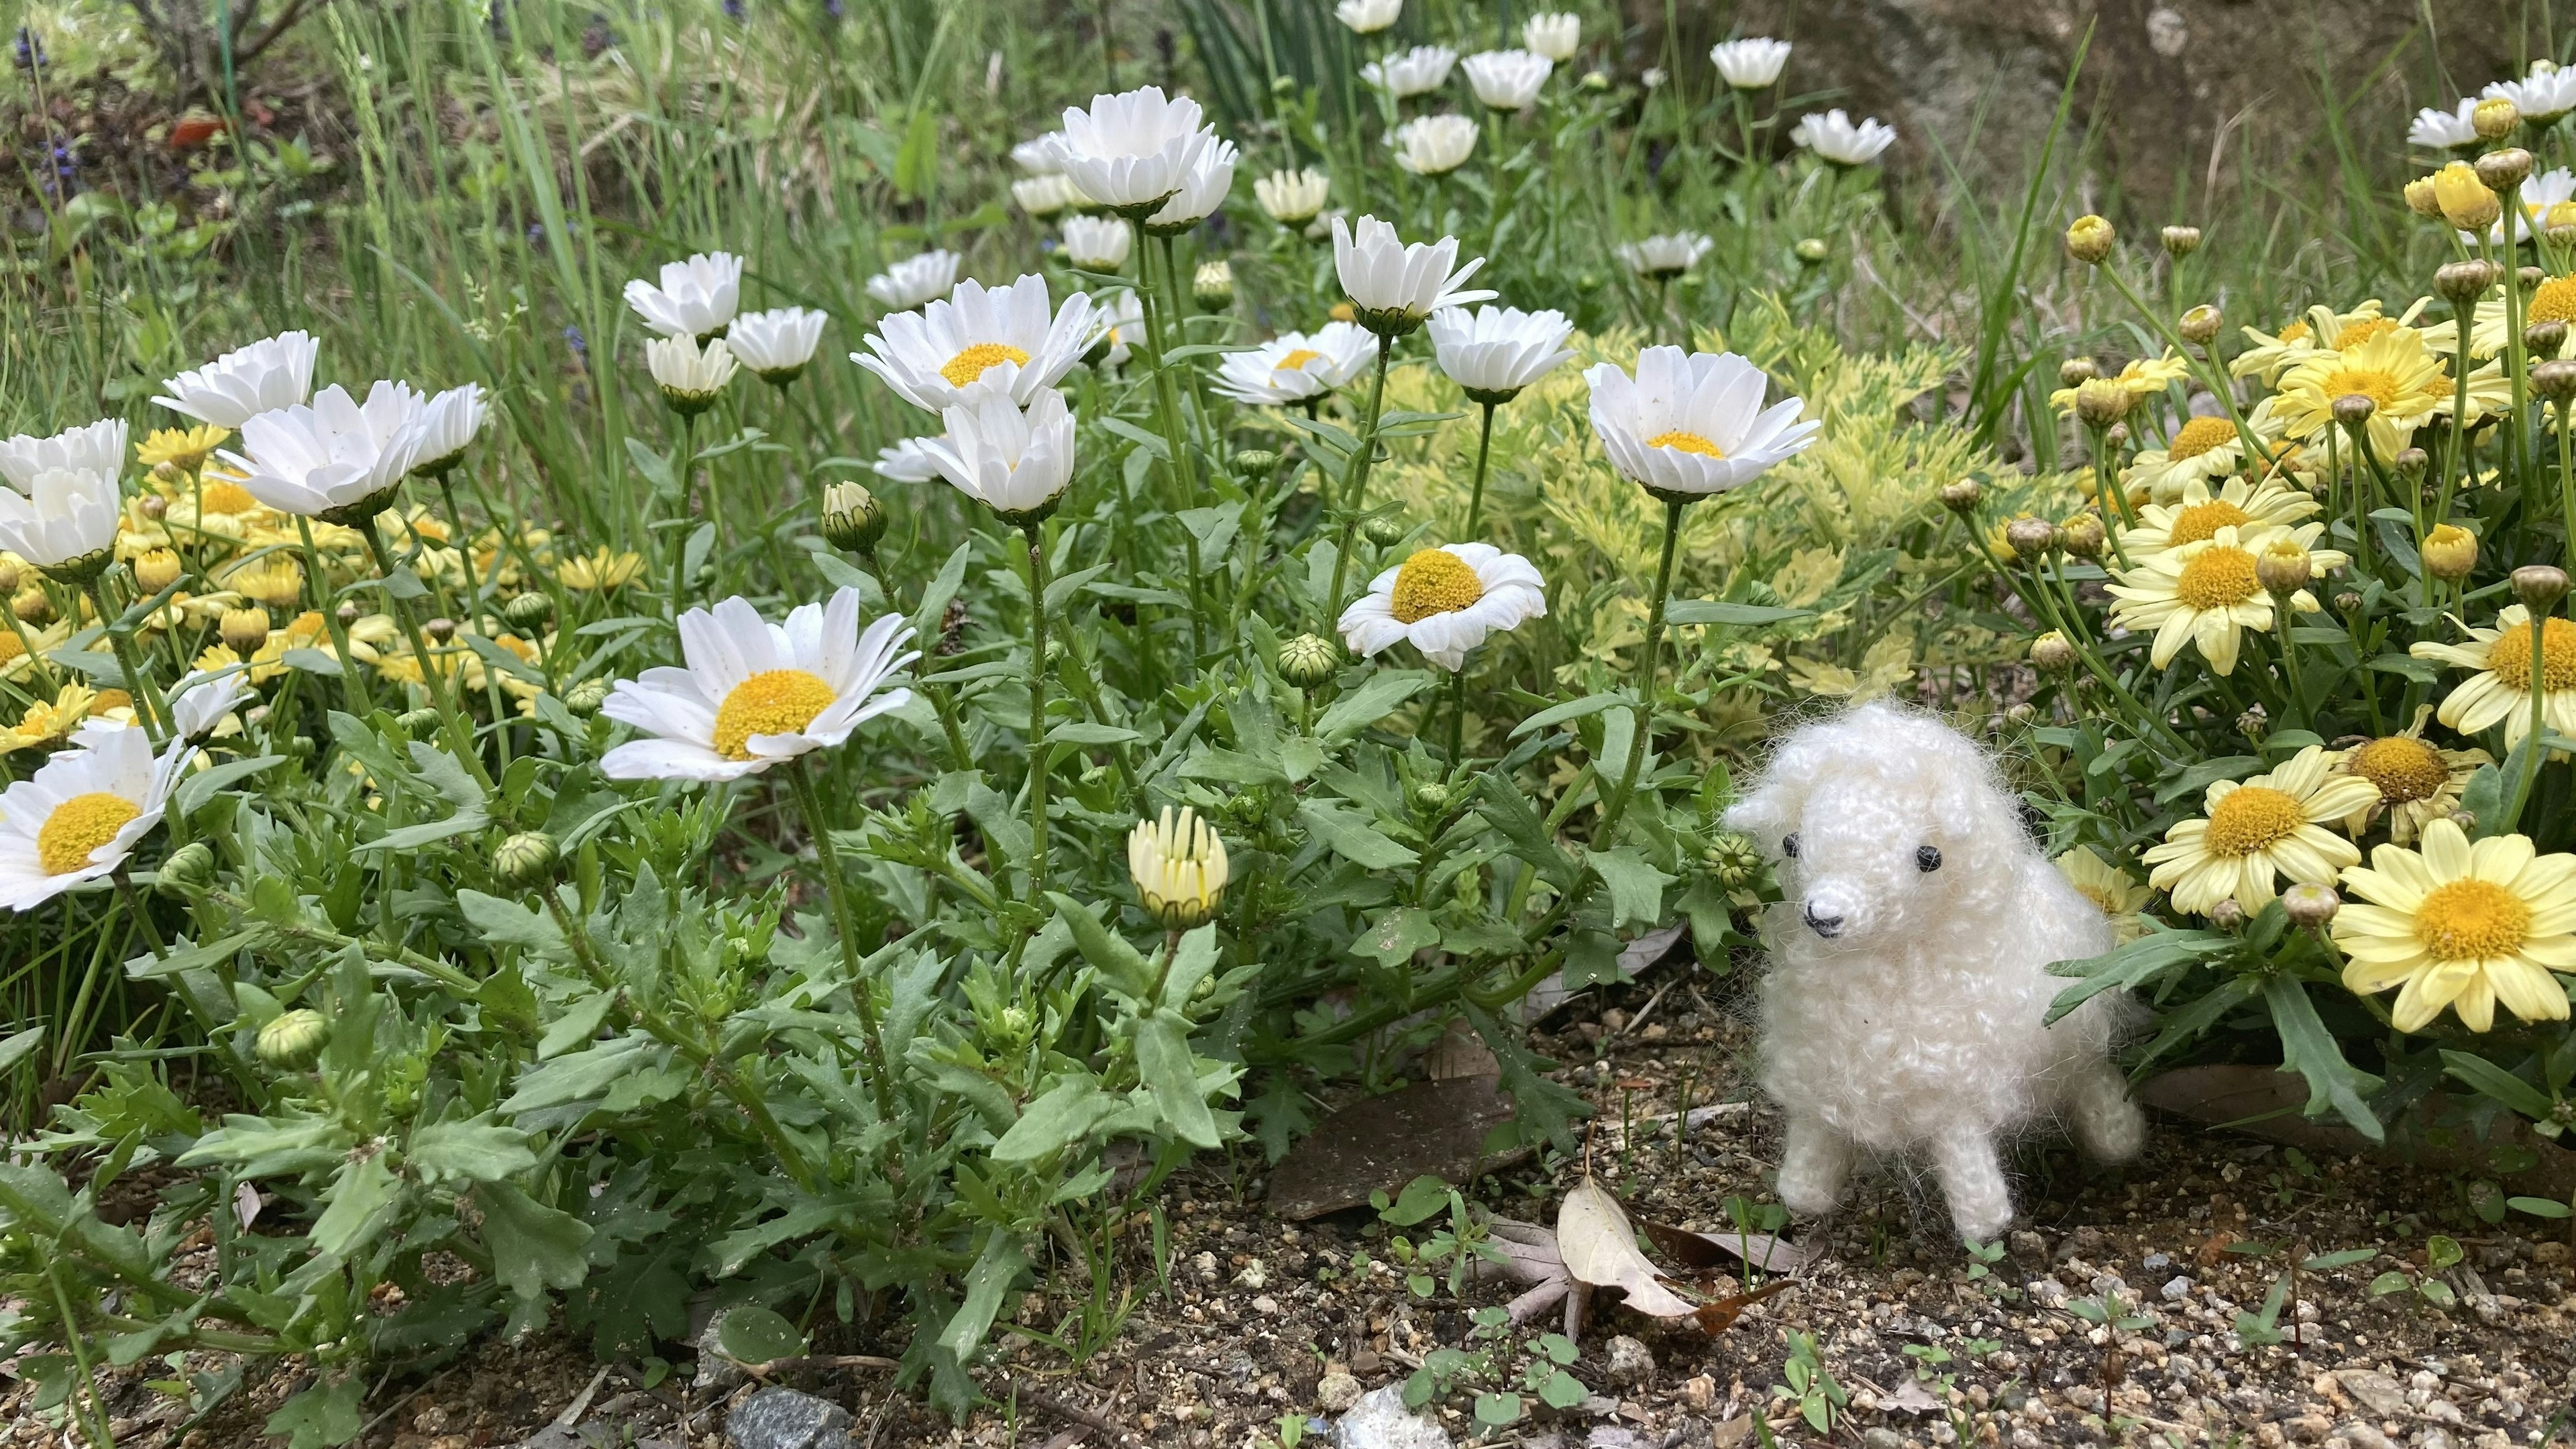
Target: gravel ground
{"points": [[1925, 1344]]}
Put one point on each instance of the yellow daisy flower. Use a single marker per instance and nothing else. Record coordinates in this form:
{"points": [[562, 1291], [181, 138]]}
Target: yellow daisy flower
{"points": [[184, 449], [47, 725], [2404, 379], [274, 579], [2140, 378], [2418, 782], [2120, 894], [2554, 300], [2195, 513], [2320, 329], [2207, 593], [2461, 925], [599, 570], [20, 656], [2500, 691], [2248, 834]]}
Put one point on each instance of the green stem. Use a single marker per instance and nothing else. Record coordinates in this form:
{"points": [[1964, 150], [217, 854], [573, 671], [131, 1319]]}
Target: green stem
{"points": [[800, 780], [1036, 531], [352, 678], [680, 535], [148, 705], [460, 735], [1618, 804], [1476, 498], [1355, 488], [1457, 712]]}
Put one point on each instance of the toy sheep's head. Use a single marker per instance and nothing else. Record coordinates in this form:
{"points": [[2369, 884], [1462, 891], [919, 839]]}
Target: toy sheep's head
{"points": [[1880, 820]]}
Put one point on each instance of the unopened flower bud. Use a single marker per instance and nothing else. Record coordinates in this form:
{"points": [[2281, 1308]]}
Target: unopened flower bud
{"points": [[1212, 286], [2543, 339], [156, 569], [2411, 461], [292, 1041], [529, 610], [2254, 721], [2421, 200], [2117, 438], [1961, 497], [2076, 371], [2353, 409], [2082, 536], [155, 507], [32, 605], [2200, 324], [2530, 277], [2555, 379], [2181, 241], [2284, 567], [2495, 117], [1733, 859], [420, 724], [1595, 81], [2467, 820], [2466, 202], [2090, 240], [1308, 660], [243, 630], [1812, 250], [347, 612], [1386, 530], [440, 629], [186, 870], [2348, 602], [1256, 463], [2051, 654], [852, 517], [2226, 915], [525, 859], [2462, 283], [2310, 906], [1430, 797], [2450, 552], [2539, 586], [2030, 538], [2101, 402], [585, 697], [2504, 170]]}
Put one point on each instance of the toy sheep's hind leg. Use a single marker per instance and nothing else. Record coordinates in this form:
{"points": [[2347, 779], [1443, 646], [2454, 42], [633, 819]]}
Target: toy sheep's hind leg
{"points": [[2107, 1124], [1972, 1178], [1815, 1168]]}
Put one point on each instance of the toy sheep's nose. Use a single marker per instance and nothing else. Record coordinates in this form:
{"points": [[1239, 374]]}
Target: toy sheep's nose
{"points": [[1825, 926]]}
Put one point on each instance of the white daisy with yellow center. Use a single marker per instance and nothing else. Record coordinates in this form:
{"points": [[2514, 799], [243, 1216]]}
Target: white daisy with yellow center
{"points": [[1445, 601], [1296, 366], [2120, 894], [1009, 340], [2195, 512], [2253, 832], [2500, 691], [2418, 781], [1179, 867], [81, 816], [1692, 424], [755, 694], [2206, 593], [2461, 925], [2207, 449]]}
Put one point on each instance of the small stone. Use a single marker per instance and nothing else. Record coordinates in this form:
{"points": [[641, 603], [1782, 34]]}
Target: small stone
{"points": [[1381, 1421], [1266, 1306], [2309, 1428], [1336, 1392], [786, 1419], [2269, 1436], [2030, 1246], [2362, 1436], [1253, 1276], [2155, 1262], [2177, 1288], [717, 1374], [1612, 1436], [2549, 1255], [2435, 1438], [1879, 1436], [2047, 1292], [1698, 1393], [1205, 1266], [1630, 1361], [2374, 1391]]}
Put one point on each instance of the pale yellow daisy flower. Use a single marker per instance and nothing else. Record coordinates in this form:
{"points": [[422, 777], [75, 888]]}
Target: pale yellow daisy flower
{"points": [[2250, 834], [2463, 926], [2500, 691]]}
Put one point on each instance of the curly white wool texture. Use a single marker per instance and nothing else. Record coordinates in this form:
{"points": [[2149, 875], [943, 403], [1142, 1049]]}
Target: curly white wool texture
{"points": [[1904, 1006]]}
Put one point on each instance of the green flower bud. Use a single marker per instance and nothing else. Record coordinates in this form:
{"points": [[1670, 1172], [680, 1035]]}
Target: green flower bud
{"points": [[1309, 660], [525, 859], [529, 610], [420, 724], [187, 870], [292, 1041], [585, 698], [852, 517], [1385, 530]]}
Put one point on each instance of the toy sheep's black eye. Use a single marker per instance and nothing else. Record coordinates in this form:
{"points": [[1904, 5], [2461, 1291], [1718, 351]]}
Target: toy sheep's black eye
{"points": [[1789, 845], [1927, 857]]}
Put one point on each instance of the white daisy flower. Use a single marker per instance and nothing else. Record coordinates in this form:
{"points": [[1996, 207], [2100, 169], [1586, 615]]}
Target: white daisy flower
{"points": [[1293, 198], [1752, 64], [198, 704], [980, 339], [99, 448], [2537, 194], [691, 377], [753, 694], [1367, 17], [1040, 197], [695, 298], [1507, 80], [1497, 351], [1129, 152], [1396, 287], [66, 521], [916, 279], [334, 458], [2543, 96], [1554, 35], [909, 461], [1037, 157], [1204, 186], [1295, 366], [448, 425], [1408, 73], [274, 372], [2444, 130], [1667, 256], [778, 343], [1689, 425], [81, 815], [1444, 601], [1098, 243], [1017, 464], [1834, 137], [1434, 145], [1122, 326]]}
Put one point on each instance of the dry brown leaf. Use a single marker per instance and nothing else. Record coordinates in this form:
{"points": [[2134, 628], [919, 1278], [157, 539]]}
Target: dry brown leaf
{"points": [[1599, 1247], [1716, 1318], [1719, 1251]]}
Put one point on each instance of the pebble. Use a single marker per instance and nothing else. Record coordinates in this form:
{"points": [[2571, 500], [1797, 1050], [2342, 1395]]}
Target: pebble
{"points": [[2178, 1287], [786, 1419], [1381, 1421], [1630, 1361], [717, 1374], [2375, 1391], [2047, 1292], [1611, 1436], [1336, 1392], [2362, 1436], [1881, 1437], [1698, 1393], [2155, 1262]]}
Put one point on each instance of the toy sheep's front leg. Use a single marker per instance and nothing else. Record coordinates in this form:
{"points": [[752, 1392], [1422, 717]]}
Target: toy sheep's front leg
{"points": [[2106, 1122], [1816, 1165], [1972, 1178]]}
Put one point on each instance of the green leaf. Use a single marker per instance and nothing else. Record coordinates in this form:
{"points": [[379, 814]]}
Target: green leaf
{"points": [[996, 1269], [360, 1194], [1425, 1195], [1083, 732], [534, 1247], [1548, 1106], [2324, 1262], [18, 1048], [202, 786], [1381, 695], [2310, 1050], [1351, 837], [1190, 966], [1395, 936], [1171, 1075], [1562, 1390], [1636, 888], [2539, 1207], [1719, 611], [1102, 947], [474, 1150], [1496, 1410], [320, 1417], [916, 165], [1590, 704], [579, 1024], [2131, 965], [1058, 1120], [1507, 810], [507, 923], [2496, 1082], [2483, 796], [753, 1334]]}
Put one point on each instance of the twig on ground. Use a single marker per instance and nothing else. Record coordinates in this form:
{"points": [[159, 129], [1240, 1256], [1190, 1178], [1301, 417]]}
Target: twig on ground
{"points": [[1071, 1414]]}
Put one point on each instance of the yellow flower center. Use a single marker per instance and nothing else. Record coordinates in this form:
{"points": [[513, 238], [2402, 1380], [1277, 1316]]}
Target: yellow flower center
{"points": [[109, 699], [2295, 333], [2552, 301], [11, 646], [1343, 312], [2216, 578], [1433, 581], [2100, 896], [2373, 383], [970, 364], [1297, 359], [2356, 333], [79, 826], [2199, 436], [2251, 818], [225, 497], [772, 702], [2472, 920], [2204, 520], [2403, 767], [1686, 443], [2510, 657]]}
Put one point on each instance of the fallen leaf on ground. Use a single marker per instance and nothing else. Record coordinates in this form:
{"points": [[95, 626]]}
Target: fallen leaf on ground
{"points": [[1716, 1318], [1599, 1247], [1721, 1251]]}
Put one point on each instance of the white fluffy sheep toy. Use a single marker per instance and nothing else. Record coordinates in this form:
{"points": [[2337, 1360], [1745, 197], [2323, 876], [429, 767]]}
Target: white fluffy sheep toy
{"points": [[1902, 1012]]}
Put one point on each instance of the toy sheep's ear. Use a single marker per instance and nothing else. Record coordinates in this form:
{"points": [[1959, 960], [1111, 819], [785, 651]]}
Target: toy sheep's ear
{"points": [[1763, 814]]}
